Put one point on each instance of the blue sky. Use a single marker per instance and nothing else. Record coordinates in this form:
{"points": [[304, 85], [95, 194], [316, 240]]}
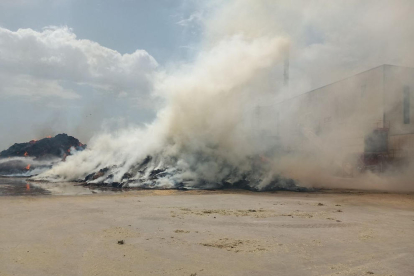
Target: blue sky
{"points": [[123, 25]]}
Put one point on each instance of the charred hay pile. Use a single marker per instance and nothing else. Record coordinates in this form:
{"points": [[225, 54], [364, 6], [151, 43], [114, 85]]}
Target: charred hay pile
{"points": [[33, 157], [56, 146], [152, 174]]}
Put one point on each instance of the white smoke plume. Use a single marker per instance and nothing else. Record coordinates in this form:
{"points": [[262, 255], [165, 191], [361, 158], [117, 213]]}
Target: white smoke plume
{"points": [[17, 166], [203, 132], [206, 135]]}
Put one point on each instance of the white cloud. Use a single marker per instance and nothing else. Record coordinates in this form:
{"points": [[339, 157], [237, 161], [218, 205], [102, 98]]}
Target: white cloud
{"points": [[41, 61], [28, 87]]}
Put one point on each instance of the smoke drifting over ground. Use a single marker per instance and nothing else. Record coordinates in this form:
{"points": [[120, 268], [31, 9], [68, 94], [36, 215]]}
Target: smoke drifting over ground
{"points": [[25, 166], [207, 136]]}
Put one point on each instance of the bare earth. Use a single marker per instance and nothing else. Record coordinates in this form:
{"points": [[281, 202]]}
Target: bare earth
{"points": [[208, 233]]}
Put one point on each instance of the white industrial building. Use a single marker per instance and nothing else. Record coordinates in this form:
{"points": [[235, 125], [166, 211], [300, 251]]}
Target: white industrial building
{"points": [[340, 117]]}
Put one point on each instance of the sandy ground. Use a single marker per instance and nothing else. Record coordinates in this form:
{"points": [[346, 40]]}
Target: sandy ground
{"points": [[208, 233]]}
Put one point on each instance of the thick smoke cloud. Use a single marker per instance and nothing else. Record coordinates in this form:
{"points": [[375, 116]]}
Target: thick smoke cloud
{"points": [[203, 132], [206, 134], [331, 40]]}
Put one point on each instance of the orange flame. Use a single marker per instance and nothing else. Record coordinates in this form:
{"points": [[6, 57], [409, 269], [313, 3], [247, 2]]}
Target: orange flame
{"points": [[28, 167], [26, 154], [49, 137]]}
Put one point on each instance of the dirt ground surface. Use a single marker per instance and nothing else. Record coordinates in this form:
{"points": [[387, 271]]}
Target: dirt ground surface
{"points": [[208, 233]]}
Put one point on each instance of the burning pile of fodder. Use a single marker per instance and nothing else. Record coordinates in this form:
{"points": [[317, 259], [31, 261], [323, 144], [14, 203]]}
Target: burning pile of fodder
{"points": [[203, 137], [153, 173], [36, 156], [56, 146]]}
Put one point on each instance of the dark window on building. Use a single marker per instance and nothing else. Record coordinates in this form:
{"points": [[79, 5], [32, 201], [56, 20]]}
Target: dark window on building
{"points": [[406, 105]]}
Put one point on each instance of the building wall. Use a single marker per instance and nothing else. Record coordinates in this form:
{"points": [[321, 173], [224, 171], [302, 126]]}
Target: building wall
{"points": [[337, 115], [398, 81]]}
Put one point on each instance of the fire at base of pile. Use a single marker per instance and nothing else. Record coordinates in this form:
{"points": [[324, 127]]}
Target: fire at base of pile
{"points": [[151, 174]]}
